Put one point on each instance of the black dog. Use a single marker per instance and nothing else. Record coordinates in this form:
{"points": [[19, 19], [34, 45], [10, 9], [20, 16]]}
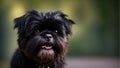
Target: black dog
{"points": [[42, 40]]}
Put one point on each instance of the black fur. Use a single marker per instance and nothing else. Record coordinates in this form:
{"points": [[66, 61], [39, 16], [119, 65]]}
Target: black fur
{"points": [[39, 30]]}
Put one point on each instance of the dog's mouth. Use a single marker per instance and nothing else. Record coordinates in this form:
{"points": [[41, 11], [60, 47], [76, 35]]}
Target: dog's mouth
{"points": [[47, 47]]}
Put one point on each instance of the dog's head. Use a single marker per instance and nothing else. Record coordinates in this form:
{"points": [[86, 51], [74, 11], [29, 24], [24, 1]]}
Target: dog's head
{"points": [[43, 35]]}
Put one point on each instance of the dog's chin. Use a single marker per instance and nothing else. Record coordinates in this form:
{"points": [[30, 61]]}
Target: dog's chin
{"points": [[46, 53]]}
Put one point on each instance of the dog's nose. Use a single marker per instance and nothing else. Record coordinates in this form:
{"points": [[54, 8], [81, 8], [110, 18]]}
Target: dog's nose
{"points": [[48, 37]]}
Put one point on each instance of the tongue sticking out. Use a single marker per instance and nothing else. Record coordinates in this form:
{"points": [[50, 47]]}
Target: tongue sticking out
{"points": [[47, 47]]}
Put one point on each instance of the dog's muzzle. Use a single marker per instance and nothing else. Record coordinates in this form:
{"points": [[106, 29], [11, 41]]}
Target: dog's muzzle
{"points": [[49, 39]]}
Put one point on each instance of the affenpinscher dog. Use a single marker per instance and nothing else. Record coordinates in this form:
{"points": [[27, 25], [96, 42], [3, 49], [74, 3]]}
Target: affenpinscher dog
{"points": [[42, 40]]}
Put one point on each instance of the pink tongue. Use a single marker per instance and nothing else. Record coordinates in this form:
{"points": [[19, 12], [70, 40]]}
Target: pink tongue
{"points": [[46, 47]]}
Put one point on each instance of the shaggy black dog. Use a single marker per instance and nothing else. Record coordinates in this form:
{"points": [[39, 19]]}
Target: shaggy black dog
{"points": [[42, 40]]}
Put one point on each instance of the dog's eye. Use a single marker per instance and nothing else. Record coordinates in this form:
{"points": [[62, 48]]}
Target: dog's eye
{"points": [[56, 31], [36, 31]]}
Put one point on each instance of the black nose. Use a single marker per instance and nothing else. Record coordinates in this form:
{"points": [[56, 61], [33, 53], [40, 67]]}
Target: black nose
{"points": [[48, 37]]}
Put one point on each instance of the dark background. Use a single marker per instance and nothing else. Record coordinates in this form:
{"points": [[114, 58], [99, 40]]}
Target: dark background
{"points": [[95, 33]]}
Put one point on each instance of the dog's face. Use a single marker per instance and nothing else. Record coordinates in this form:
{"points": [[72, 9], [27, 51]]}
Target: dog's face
{"points": [[43, 35]]}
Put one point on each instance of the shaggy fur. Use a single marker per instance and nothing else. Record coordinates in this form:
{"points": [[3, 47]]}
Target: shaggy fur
{"points": [[42, 40]]}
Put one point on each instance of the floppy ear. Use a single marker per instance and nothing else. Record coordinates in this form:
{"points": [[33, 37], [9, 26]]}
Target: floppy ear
{"points": [[68, 25], [19, 23], [22, 23]]}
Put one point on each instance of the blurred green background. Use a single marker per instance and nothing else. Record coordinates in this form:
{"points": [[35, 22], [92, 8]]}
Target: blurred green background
{"points": [[95, 33]]}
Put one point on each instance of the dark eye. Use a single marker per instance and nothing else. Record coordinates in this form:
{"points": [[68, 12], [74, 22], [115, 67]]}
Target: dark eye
{"points": [[56, 31], [36, 32]]}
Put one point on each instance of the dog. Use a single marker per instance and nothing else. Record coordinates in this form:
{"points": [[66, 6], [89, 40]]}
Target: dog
{"points": [[42, 39]]}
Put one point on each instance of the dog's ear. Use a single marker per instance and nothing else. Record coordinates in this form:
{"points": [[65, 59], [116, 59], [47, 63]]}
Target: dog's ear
{"points": [[68, 25], [20, 23], [67, 22]]}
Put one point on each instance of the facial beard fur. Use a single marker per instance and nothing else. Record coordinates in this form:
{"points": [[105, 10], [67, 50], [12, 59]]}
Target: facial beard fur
{"points": [[46, 55]]}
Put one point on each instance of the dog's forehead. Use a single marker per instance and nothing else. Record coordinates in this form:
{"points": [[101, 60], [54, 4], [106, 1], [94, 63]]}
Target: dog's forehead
{"points": [[50, 25], [46, 15], [51, 20]]}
